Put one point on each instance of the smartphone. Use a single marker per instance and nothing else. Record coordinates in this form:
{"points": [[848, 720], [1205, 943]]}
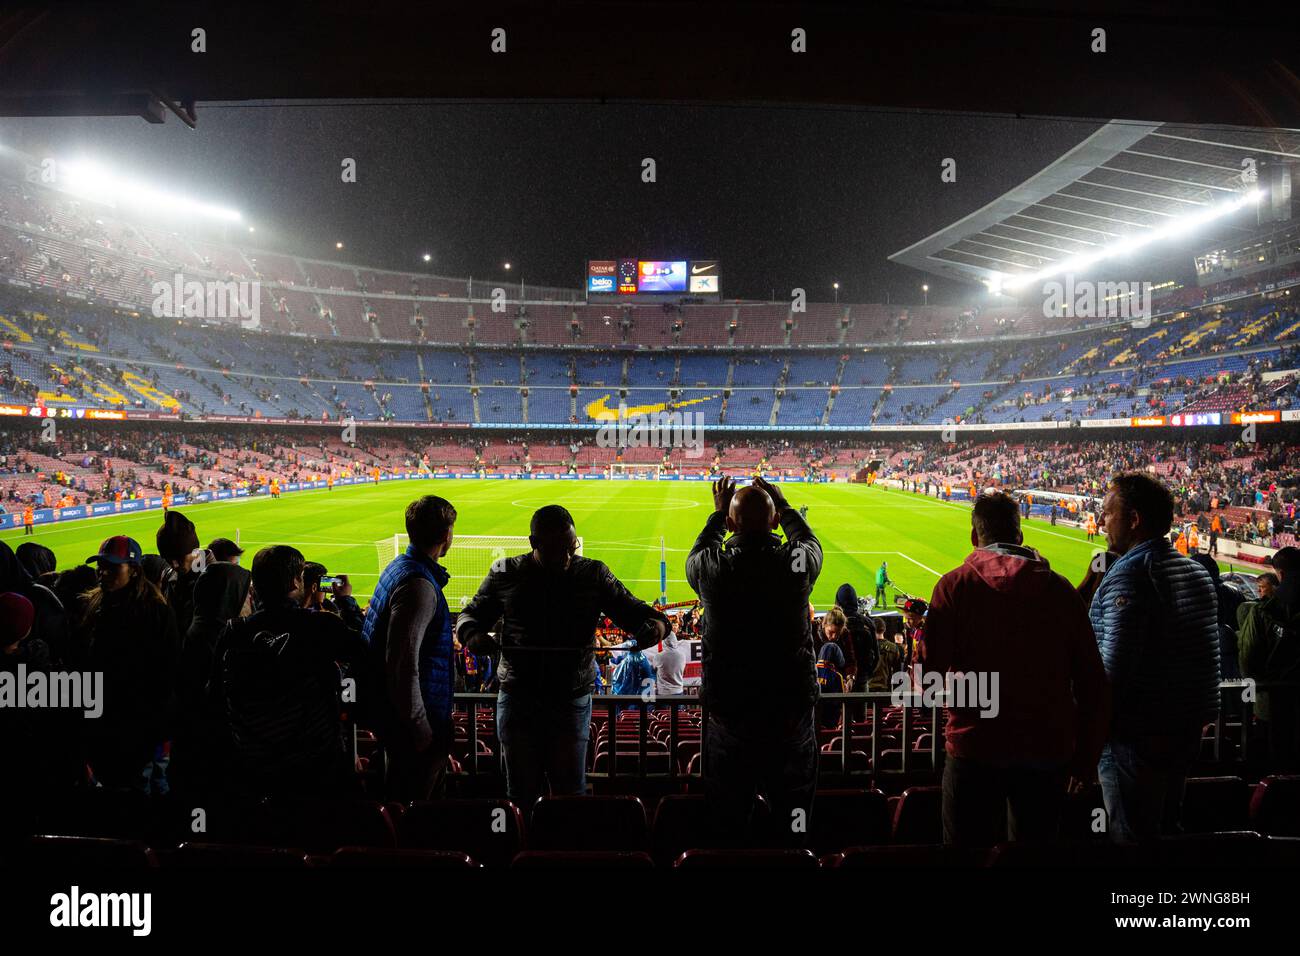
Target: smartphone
{"points": [[329, 582]]}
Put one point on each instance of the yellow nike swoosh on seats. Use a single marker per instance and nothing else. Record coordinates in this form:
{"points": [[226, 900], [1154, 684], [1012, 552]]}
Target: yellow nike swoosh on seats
{"points": [[600, 411]]}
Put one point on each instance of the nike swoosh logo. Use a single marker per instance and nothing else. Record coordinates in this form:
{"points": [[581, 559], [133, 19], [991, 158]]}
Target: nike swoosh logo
{"points": [[696, 270]]}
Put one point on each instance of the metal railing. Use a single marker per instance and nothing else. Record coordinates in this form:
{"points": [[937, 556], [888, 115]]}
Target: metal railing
{"points": [[866, 722], [626, 762]]}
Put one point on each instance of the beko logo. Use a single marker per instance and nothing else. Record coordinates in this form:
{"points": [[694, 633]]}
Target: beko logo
{"points": [[696, 270]]}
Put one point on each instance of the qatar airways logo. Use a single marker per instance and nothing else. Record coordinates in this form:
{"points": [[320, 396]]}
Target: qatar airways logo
{"points": [[211, 299], [1098, 300]]}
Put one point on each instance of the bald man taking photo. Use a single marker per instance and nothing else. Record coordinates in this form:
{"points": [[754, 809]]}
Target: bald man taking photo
{"points": [[760, 672]]}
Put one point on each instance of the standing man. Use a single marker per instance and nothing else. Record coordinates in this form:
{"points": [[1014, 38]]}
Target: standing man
{"points": [[29, 519], [760, 679], [548, 603], [1155, 615], [1006, 619], [408, 629], [1270, 651], [882, 579]]}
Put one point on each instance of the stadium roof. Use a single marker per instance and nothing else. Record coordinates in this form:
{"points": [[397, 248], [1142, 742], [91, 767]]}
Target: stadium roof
{"points": [[1124, 180]]}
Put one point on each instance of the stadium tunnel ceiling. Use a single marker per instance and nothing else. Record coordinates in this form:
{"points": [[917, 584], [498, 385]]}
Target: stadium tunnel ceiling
{"points": [[1122, 182], [1164, 61]]}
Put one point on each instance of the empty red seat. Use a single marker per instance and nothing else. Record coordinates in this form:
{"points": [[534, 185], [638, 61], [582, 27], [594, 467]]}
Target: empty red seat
{"points": [[322, 826], [925, 857], [612, 822], [680, 822], [1275, 806], [1214, 850], [489, 830], [843, 818], [919, 818], [216, 856], [1091, 854], [362, 857], [583, 860], [747, 860], [71, 854], [1215, 804]]}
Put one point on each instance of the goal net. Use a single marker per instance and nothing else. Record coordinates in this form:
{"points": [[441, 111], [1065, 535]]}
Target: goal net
{"points": [[468, 561], [626, 470]]}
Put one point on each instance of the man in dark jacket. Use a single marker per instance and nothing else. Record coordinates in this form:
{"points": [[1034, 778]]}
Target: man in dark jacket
{"points": [[408, 627], [1270, 652], [276, 687], [862, 637], [549, 602], [760, 681], [1010, 625], [1156, 619]]}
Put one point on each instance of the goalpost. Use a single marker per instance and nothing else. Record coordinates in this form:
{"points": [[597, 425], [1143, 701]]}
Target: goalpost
{"points": [[468, 561], [644, 471]]}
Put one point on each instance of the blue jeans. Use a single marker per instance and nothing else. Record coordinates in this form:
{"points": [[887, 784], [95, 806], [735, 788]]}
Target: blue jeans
{"points": [[1143, 781], [543, 739]]}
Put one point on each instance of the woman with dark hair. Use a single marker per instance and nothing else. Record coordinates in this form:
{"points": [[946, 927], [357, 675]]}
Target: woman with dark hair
{"points": [[128, 634]]}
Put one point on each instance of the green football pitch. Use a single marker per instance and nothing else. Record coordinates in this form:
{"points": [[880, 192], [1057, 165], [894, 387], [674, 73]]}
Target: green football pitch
{"points": [[620, 522]]}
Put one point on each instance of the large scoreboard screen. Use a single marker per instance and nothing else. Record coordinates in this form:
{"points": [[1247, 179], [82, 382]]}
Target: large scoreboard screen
{"points": [[632, 279]]}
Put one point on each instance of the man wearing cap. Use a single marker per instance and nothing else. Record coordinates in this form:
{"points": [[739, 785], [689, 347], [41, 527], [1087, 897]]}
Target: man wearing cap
{"points": [[129, 634], [1269, 650], [223, 549]]}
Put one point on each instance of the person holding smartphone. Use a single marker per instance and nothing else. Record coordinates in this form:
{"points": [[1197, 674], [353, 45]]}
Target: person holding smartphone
{"points": [[321, 592]]}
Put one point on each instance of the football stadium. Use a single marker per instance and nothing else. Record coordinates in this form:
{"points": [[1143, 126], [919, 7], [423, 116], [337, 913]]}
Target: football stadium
{"points": [[444, 486]]}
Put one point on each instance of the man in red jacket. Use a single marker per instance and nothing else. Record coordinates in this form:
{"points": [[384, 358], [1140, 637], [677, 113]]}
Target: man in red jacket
{"points": [[1005, 621]]}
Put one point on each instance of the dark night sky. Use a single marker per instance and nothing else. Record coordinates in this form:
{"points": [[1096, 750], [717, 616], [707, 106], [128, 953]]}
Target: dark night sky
{"points": [[784, 197]]}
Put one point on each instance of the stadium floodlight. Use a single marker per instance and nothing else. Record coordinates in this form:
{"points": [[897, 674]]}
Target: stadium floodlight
{"points": [[338, 245], [427, 257], [93, 182], [1175, 229], [251, 229], [507, 267]]}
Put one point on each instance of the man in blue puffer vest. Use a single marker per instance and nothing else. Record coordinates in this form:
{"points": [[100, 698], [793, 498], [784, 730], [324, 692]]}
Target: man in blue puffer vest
{"points": [[408, 628], [1155, 615]]}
